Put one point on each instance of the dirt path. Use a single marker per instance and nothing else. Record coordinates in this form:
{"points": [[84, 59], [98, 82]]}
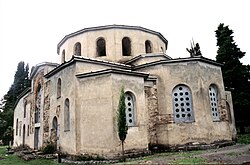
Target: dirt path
{"points": [[236, 154]]}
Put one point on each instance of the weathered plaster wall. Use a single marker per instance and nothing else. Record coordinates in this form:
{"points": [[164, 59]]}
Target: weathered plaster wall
{"points": [[198, 76]]}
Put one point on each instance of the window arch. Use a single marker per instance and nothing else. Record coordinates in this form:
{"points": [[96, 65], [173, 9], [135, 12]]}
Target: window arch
{"points": [[130, 108], [213, 95], [66, 115], [77, 49], [59, 87], [101, 47], [126, 46], [16, 126], [63, 56], [182, 104], [24, 109], [148, 46]]}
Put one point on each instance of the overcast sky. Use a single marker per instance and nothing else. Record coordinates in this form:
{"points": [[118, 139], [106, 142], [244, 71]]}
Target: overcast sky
{"points": [[31, 29]]}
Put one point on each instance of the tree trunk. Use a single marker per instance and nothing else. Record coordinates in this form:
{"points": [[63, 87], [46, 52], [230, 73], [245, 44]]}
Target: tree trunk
{"points": [[123, 155]]}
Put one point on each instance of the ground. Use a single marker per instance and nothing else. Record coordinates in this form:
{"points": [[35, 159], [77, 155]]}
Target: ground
{"points": [[236, 154]]}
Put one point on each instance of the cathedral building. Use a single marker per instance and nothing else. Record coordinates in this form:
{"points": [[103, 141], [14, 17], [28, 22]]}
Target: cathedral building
{"points": [[169, 102]]}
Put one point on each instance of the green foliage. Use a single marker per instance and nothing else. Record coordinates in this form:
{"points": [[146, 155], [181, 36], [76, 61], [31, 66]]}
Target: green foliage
{"points": [[190, 161], [243, 139], [21, 82], [235, 74], [49, 149], [122, 125]]}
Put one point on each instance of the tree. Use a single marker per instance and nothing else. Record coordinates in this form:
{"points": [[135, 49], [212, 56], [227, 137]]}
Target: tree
{"points": [[235, 74], [121, 122], [21, 82]]}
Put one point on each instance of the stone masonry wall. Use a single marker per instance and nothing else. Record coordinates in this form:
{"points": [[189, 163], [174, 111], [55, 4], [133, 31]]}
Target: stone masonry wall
{"points": [[152, 106], [46, 113]]}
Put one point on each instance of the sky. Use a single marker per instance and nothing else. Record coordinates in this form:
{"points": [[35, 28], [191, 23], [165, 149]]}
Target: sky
{"points": [[31, 29]]}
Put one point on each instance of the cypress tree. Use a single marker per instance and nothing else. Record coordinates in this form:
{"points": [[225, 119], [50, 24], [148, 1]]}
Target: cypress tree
{"points": [[121, 122], [235, 74]]}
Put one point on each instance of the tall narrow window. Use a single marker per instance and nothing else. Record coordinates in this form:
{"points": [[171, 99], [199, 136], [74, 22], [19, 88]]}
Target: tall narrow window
{"points": [[24, 109], [148, 46], [77, 49], [59, 88], [63, 56], [66, 115], [213, 95], [182, 104], [101, 47], [28, 130], [130, 108], [38, 104], [228, 112], [16, 126], [126, 46]]}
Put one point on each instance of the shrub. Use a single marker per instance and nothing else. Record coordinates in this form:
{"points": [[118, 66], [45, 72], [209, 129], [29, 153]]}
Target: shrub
{"points": [[49, 149]]}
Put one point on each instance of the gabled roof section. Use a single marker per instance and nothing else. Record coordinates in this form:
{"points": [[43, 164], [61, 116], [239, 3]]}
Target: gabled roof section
{"points": [[178, 60], [136, 58], [110, 27], [21, 95], [113, 70], [86, 60], [41, 65]]}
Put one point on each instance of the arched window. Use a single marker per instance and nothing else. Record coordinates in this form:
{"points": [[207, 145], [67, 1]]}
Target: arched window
{"points": [[63, 56], [101, 47], [24, 109], [28, 130], [148, 46], [126, 46], [66, 115], [213, 95], [130, 108], [77, 49], [59, 88], [38, 104], [182, 104], [24, 134], [228, 112], [16, 126]]}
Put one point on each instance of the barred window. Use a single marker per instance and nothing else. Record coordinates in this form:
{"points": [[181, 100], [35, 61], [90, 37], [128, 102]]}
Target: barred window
{"points": [[130, 108], [182, 104], [213, 95]]}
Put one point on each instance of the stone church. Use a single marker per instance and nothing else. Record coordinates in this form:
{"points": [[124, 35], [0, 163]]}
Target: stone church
{"points": [[169, 102]]}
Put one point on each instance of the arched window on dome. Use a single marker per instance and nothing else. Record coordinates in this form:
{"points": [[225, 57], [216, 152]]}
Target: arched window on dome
{"points": [[213, 95], [77, 49], [126, 46], [182, 104], [66, 115], [101, 47], [148, 46], [59, 88], [63, 56], [130, 109]]}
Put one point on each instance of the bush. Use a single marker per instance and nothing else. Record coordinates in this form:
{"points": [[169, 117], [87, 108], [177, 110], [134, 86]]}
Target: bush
{"points": [[49, 149]]}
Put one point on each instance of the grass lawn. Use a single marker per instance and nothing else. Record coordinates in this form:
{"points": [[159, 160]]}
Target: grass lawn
{"points": [[14, 160]]}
